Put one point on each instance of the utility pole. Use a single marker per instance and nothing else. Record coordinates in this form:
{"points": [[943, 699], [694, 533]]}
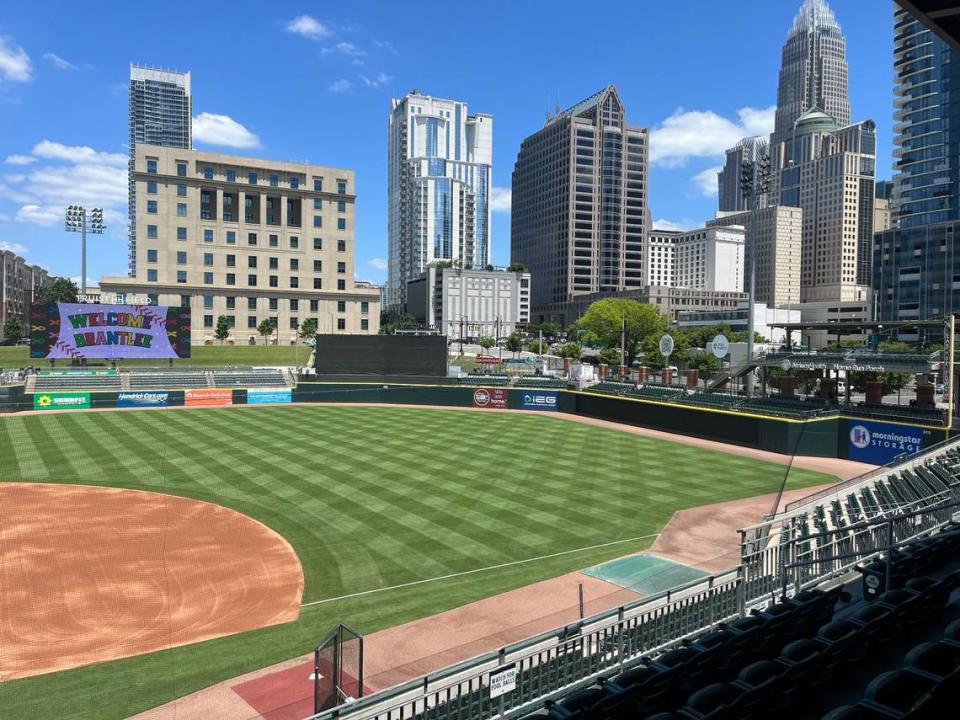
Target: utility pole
{"points": [[623, 339]]}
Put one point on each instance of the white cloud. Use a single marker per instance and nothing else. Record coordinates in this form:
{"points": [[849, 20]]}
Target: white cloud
{"points": [[15, 64], [685, 224], [378, 264], [19, 160], [58, 62], [15, 248], [379, 81], [705, 181], [500, 199], [348, 48], [223, 130], [38, 215], [49, 150], [308, 27], [696, 133], [340, 86], [385, 45]]}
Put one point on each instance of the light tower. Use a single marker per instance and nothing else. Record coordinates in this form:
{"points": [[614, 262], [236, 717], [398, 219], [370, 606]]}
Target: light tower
{"points": [[77, 219], [754, 184]]}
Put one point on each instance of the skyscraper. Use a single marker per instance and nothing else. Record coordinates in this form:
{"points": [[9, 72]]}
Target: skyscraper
{"points": [[917, 264], [748, 150], [160, 114], [439, 181], [579, 204], [813, 70]]}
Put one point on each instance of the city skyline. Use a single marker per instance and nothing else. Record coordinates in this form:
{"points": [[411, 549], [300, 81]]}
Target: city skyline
{"points": [[356, 64]]}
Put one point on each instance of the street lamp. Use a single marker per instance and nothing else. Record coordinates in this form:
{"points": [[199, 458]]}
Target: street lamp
{"points": [[754, 182], [77, 219]]}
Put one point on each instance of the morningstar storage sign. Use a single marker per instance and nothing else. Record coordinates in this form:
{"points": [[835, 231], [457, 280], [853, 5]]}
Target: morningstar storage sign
{"points": [[61, 401]]}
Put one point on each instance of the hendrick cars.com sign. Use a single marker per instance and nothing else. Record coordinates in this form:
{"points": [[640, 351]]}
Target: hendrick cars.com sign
{"points": [[490, 398]]}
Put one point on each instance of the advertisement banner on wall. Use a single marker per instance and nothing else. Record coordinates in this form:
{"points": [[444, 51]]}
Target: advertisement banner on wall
{"points": [[264, 396], [61, 401], [490, 398], [536, 400], [143, 399], [879, 443], [208, 396]]}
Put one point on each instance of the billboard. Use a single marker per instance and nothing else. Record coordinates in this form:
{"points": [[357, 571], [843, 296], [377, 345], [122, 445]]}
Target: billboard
{"points": [[490, 398], [538, 400], [208, 396], [143, 399], [879, 443], [77, 331], [424, 355], [263, 396], [61, 401]]}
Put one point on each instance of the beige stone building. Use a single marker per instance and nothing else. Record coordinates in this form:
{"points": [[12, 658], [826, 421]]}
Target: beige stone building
{"points": [[778, 252], [20, 285], [249, 239]]}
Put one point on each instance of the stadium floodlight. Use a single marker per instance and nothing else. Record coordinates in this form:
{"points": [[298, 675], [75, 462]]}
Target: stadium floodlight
{"points": [[77, 219], [754, 183]]}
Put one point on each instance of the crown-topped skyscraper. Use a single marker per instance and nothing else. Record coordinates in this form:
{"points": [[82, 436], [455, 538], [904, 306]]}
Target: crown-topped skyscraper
{"points": [[813, 70]]}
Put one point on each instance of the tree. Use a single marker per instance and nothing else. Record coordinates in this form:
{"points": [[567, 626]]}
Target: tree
{"points": [[265, 328], [517, 267], [61, 290], [571, 350], [487, 342], [603, 321], [514, 344], [308, 328], [390, 322], [222, 331], [705, 362], [13, 328], [609, 356], [539, 347]]}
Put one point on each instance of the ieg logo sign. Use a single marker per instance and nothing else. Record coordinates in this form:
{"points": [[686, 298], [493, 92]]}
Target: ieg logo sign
{"points": [[879, 443], [539, 401]]}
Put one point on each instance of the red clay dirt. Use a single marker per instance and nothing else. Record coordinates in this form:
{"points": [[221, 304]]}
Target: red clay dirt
{"points": [[90, 574]]}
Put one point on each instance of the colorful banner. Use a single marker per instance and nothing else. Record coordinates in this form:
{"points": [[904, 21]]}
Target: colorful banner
{"points": [[263, 396], [879, 443], [143, 399], [61, 401], [208, 396], [490, 398], [76, 331], [539, 400]]}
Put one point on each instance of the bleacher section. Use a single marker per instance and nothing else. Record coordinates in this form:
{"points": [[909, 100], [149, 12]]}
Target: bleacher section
{"points": [[57, 383], [485, 380], [267, 377], [533, 381], [168, 379], [658, 392], [784, 406]]}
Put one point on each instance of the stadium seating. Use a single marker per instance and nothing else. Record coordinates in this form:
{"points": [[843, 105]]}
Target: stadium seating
{"points": [[533, 381], [611, 388], [665, 393], [485, 380], [164, 380], [54, 383], [714, 399], [249, 378]]}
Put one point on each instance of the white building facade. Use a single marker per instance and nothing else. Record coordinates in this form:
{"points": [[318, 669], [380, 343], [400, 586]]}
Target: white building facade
{"points": [[439, 170], [708, 258]]}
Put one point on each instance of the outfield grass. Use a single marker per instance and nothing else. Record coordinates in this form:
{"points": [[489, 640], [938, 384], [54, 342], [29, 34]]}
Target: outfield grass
{"points": [[369, 498], [202, 356]]}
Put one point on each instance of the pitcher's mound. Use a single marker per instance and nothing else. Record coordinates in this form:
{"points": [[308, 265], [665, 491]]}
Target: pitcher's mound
{"points": [[90, 574]]}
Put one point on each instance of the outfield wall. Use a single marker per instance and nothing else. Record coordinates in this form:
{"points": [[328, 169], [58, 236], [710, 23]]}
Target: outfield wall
{"points": [[835, 437]]}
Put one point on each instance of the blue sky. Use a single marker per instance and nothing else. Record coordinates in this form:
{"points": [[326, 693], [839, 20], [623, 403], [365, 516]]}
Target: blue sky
{"points": [[313, 81]]}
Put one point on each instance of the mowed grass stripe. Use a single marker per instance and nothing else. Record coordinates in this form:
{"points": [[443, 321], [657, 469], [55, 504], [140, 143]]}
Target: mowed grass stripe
{"points": [[369, 498]]}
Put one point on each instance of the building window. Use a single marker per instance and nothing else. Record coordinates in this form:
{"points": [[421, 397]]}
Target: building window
{"points": [[341, 284], [208, 173], [153, 299], [251, 280], [341, 187], [251, 261], [274, 304], [231, 237], [341, 323], [181, 169], [231, 321], [318, 203], [181, 189], [231, 303], [294, 282], [274, 281], [151, 255], [341, 267], [318, 283], [152, 187], [318, 243], [152, 207], [341, 245], [294, 264], [293, 322], [208, 302], [318, 184], [341, 306], [208, 259], [365, 307], [294, 305], [181, 209], [251, 303], [208, 321], [314, 305], [231, 260], [231, 175], [207, 235], [151, 165], [151, 275], [341, 205], [152, 231], [252, 322], [185, 302], [364, 324], [274, 263], [274, 181], [231, 279], [294, 242], [182, 277], [295, 183], [274, 241], [208, 278], [341, 223], [251, 238], [181, 257], [181, 233], [318, 265], [317, 221], [252, 178]]}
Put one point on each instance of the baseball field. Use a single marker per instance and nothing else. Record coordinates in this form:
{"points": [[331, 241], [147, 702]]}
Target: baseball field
{"points": [[367, 498]]}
